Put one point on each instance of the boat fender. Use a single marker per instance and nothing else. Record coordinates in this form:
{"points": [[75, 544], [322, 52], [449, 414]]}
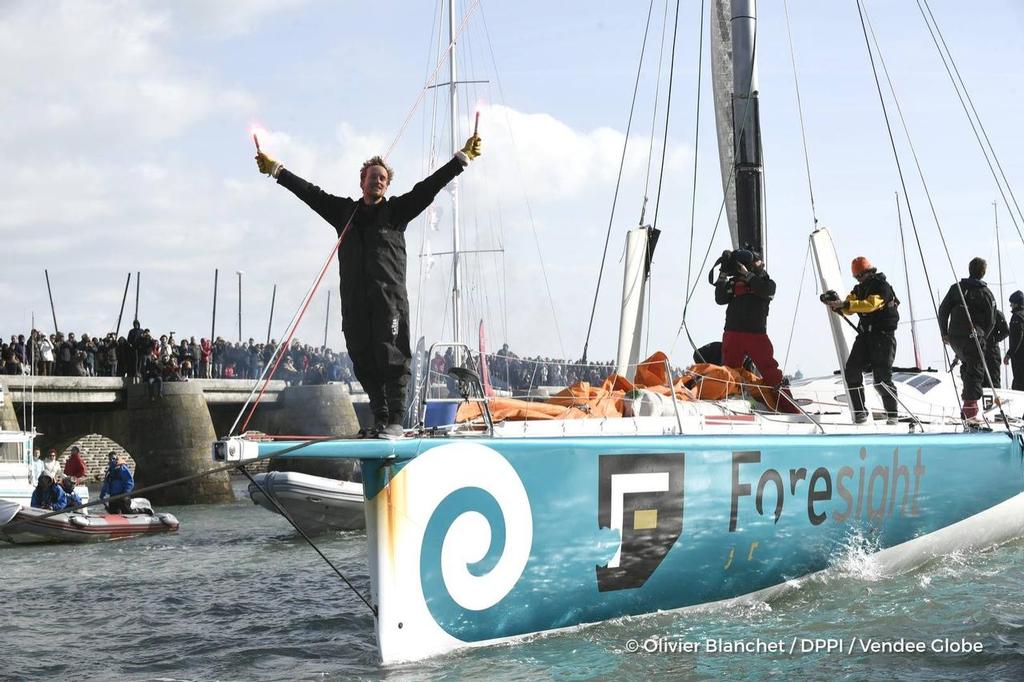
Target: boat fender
{"points": [[79, 520], [167, 519]]}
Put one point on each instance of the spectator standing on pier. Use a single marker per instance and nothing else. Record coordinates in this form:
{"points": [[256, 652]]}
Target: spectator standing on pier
{"points": [[45, 355], [75, 466], [51, 467]]}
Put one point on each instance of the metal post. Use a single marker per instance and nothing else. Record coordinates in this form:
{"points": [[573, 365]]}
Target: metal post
{"points": [[138, 279], [273, 298], [327, 318], [999, 262], [454, 110], [239, 273], [124, 298], [213, 322], [906, 275], [49, 292]]}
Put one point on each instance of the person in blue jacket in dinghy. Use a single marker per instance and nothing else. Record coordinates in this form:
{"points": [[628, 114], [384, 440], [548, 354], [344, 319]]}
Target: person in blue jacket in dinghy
{"points": [[118, 481], [48, 495]]}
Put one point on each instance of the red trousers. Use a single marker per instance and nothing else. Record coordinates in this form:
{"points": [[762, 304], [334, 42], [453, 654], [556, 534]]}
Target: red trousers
{"points": [[736, 345]]}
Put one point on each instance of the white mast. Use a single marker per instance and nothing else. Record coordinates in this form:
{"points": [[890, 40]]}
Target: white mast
{"points": [[453, 106]]}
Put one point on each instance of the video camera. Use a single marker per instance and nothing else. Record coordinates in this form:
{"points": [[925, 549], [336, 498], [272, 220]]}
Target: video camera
{"points": [[829, 297], [729, 263]]}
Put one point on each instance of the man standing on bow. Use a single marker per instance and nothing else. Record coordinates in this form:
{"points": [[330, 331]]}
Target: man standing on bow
{"points": [[371, 261], [875, 346]]}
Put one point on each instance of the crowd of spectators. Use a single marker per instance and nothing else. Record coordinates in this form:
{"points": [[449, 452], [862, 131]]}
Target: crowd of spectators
{"points": [[141, 356]]}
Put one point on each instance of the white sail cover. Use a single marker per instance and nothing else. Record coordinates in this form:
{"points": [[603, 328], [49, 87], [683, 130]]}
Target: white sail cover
{"points": [[830, 274], [722, 87], [631, 320]]}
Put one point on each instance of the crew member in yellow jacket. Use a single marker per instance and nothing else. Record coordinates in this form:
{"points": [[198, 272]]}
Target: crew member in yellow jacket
{"points": [[874, 300]]}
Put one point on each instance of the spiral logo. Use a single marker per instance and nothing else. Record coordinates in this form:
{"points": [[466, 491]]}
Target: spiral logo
{"points": [[478, 535]]}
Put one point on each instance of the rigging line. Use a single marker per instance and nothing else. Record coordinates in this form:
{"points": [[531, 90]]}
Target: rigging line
{"points": [[265, 378], [800, 113], [654, 112], [433, 76], [526, 199], [618, 181], [865, 26], [696, 143], [288, 517], [970, 101], [290, 330], [796, 309], [668, 110]]}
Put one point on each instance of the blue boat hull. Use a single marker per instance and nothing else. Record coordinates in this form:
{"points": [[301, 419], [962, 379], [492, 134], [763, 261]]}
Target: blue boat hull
{"points": [[477, 540]]}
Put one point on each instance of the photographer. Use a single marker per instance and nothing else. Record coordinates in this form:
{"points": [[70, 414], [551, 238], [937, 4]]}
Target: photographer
{"points": [[875, 347], [745, 287]]}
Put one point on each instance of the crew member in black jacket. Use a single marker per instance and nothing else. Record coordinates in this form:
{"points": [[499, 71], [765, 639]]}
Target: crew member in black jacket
{"points": [[875, 346], [371, 263], [1015, 348], [1000, 331], [967, 329], [748, 293]]}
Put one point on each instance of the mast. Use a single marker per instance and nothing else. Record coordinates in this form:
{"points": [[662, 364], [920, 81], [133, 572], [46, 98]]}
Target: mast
{"points": [[734, 76], [454, 110]]}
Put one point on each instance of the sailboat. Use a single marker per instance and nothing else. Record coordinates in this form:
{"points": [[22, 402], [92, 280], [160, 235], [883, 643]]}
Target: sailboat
{"points": [[489, 530]]}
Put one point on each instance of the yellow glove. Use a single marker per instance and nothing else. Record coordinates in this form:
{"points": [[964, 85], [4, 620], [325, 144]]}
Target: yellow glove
{"points": [[472, 148], [267, 165]]}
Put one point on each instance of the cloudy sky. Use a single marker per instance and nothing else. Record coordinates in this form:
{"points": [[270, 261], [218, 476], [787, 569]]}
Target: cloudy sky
{"points": [[125, 136]]}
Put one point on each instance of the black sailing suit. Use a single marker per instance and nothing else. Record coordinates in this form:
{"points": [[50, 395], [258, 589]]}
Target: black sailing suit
{"points": [[993, 356], [1015, 350], [371, 263], [875, 345], [956, 323]]}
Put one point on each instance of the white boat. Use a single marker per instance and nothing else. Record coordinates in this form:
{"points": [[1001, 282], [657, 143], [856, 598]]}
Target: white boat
{"points": [[16, 474], [317, 504], [493, 530]]}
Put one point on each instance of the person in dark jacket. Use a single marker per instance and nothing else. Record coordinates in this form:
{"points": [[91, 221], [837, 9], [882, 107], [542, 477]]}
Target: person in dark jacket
{"points": [[874, 300], [118, 481], [1015, 347], [748, 293], [993, 354], [48, 495], [966, 318], [371, 264]]}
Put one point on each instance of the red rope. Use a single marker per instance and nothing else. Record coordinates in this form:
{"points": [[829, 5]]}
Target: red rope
{"points": [[284, 344]]}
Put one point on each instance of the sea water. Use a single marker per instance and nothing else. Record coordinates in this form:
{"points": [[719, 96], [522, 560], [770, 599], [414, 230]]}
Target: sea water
{"points": [[236, 595]]}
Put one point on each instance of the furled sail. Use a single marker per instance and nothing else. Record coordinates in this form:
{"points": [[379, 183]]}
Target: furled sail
{"points": [[734, 81], [721, 79]]}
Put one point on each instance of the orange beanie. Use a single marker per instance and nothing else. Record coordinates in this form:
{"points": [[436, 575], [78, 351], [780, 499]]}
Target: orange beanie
{"points": [[860, 264]]}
